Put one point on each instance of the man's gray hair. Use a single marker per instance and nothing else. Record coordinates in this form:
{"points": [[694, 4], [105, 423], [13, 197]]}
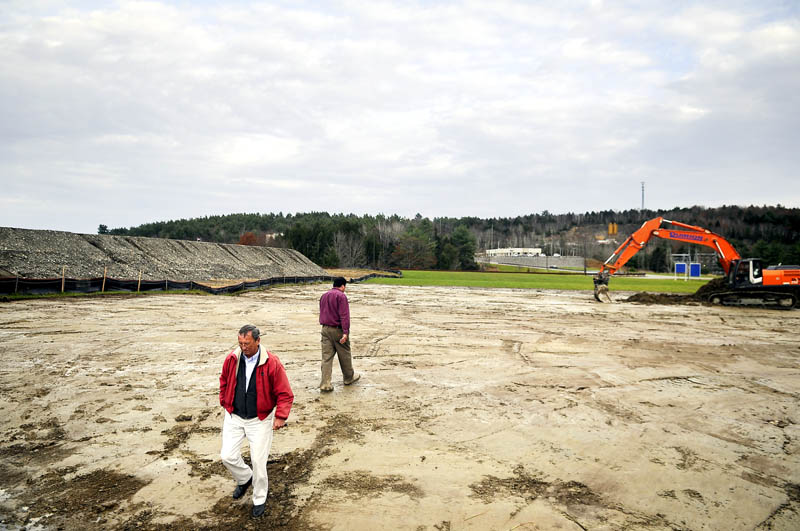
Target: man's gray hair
{"points": [[243, 331]]}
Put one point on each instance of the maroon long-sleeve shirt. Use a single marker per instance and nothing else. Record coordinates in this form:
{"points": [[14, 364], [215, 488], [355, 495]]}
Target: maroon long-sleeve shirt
{"points": [[334, 310]]}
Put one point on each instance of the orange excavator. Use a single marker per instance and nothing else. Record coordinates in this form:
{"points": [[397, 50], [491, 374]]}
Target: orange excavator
{"points": [[747, 282]]}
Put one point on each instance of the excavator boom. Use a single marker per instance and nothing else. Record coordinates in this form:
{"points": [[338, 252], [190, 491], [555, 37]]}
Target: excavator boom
{"points": [[670, 230]]}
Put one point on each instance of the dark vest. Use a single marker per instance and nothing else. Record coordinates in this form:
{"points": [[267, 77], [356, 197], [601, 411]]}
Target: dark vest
{"points": [[244, 400]]}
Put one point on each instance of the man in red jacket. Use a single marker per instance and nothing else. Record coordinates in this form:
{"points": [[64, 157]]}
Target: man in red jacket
{"points": [[255, 392]]}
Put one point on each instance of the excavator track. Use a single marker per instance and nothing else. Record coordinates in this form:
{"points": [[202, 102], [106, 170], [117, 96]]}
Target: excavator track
{"points": [[755, 298]]}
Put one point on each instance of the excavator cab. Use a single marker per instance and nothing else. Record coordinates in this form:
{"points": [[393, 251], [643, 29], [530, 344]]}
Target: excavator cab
{"points": [[746, 272]]}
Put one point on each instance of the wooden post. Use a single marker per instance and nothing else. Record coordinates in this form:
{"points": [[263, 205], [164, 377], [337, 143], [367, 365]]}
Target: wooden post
{"points": [[63, 274], [166, 285], [105, 271], [16, 284], [139, 285]]}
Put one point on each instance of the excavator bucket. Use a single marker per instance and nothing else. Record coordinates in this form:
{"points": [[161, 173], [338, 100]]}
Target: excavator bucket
{"points": [[601, 287]]}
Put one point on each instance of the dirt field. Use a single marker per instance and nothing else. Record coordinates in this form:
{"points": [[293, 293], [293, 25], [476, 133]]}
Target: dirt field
{"points": [[478, 409]]}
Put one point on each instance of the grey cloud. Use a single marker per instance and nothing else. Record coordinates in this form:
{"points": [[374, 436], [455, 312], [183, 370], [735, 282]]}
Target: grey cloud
{"points": [[457, 109]]}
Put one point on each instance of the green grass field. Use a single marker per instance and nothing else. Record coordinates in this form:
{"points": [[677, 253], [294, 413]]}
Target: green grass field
{"points": [[538, 281]]}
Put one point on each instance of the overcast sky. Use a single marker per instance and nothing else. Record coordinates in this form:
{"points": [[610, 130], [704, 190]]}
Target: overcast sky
{"points": [[128, 112]]}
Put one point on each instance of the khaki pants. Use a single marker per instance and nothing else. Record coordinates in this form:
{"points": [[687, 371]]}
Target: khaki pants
{"points": [[330, 348]]}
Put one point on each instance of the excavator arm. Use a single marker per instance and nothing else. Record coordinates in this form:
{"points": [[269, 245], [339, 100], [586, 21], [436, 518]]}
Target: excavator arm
{"points": [[670, 230]]}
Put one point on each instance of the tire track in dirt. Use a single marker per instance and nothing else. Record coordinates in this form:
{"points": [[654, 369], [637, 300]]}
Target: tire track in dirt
{"points": [[573, 500]]}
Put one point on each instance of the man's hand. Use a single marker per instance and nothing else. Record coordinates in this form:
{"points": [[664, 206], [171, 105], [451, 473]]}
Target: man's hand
{"points": [[344, 339], [278, 423]]}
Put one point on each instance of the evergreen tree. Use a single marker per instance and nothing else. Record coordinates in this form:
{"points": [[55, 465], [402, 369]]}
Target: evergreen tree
{"points": [[464, 242]]}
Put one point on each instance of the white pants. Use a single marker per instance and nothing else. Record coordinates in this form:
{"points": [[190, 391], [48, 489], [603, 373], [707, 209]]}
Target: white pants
{"points": [[258, 433]]}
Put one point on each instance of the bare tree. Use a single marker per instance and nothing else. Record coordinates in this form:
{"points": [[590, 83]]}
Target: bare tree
{"points": [[349, 248], [414, 252], [389, 232]]}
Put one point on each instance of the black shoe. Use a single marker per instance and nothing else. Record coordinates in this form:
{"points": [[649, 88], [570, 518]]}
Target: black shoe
{"points": [[356, 377], [239, 491], [258, 510]]}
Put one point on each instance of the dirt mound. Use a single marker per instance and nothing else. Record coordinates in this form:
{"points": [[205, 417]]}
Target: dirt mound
{"points": [[714, 286], [351, 274], [48, 254], [700, 296], [660, 298]]}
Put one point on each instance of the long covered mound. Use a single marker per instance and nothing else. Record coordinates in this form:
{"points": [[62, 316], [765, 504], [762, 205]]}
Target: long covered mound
{"points": [[46, 254]]}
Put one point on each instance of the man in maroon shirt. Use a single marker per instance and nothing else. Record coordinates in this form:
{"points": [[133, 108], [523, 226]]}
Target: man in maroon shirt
{"points": [[334, 316]]}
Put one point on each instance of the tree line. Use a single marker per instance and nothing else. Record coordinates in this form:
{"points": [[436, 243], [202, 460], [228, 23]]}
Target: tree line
{"points": [[347, 240]]}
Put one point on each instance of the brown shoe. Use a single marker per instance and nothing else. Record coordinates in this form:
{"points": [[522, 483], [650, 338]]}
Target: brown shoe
{"points": [[356, 377]]}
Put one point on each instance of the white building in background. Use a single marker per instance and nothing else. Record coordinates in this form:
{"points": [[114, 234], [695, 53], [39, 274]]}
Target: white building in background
{"points": [[515, 251]]}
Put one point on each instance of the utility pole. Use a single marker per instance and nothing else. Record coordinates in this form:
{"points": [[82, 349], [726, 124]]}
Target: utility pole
{"points": [[642, 195], [640, 258], [584, 255]]}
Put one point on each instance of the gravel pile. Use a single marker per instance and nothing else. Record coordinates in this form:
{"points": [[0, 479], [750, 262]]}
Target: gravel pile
{"points": [[44, 254]]}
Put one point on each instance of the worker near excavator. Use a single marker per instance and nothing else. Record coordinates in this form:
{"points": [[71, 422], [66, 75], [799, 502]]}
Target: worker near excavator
{"points": [[334, 317], [255, 393]]}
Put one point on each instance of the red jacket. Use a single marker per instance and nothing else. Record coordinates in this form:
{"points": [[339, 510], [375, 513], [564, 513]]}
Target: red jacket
{"points": [[272, 385]]}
